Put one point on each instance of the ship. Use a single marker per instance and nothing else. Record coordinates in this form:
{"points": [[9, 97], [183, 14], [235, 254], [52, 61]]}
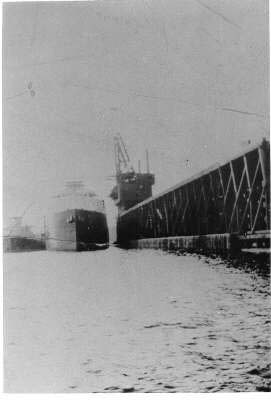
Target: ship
{"points": [[77, 220], [132, 188], [20, 237]]}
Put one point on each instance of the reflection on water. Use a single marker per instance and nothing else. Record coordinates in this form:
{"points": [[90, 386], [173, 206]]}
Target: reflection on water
{"points": [[124, 321]]}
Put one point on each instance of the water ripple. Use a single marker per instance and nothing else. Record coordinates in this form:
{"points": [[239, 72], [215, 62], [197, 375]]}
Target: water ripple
{"points": [[134, 321]]}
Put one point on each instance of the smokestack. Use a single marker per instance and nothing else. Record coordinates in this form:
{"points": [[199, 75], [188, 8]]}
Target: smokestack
{"points": [[147, 162], [139, 166]]}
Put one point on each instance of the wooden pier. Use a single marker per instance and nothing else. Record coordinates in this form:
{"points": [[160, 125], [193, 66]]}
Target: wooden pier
{"points": [[224, 208]]}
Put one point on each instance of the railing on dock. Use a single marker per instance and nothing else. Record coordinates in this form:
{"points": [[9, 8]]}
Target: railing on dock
{"points": [[232, 198]]}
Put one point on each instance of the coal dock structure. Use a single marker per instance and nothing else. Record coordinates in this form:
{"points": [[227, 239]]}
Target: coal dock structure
{"points": [[223, 210]]}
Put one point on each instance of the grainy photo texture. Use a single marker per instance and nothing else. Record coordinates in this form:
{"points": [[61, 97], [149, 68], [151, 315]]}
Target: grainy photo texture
{"points": [[136, 182]]}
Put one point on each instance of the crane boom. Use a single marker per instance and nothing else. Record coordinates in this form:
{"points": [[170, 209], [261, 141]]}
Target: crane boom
{"points": [[122, 159]]}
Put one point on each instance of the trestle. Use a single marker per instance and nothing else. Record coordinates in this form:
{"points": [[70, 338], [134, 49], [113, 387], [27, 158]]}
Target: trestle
{"points": [[233, 198]]}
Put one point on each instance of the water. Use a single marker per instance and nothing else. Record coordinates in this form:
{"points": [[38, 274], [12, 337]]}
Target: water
{"points": [[138, 320]]}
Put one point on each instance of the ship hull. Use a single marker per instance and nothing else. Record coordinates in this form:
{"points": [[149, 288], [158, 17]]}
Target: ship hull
{"points": [[13, 244], [78, 230]]}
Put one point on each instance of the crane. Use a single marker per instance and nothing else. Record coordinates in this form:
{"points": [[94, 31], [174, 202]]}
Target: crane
{"points": [[132, 187], [122, 159]]}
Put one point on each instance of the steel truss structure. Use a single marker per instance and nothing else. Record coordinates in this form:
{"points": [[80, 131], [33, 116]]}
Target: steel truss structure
{"points": [[230, 198]]}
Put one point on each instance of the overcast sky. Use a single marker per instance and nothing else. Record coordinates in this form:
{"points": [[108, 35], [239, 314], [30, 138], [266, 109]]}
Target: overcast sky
{"points": [[187, 79]]}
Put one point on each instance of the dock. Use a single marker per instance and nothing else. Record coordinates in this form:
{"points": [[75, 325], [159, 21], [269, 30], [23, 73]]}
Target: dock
{"points": [[225, 208]]}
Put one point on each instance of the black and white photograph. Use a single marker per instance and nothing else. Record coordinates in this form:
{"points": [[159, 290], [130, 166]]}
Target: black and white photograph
{"points": [[136, 196]]}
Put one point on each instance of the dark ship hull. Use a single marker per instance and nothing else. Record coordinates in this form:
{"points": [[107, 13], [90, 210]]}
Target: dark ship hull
{"points": [[20, 237], [78, 230], [13, 244]]}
